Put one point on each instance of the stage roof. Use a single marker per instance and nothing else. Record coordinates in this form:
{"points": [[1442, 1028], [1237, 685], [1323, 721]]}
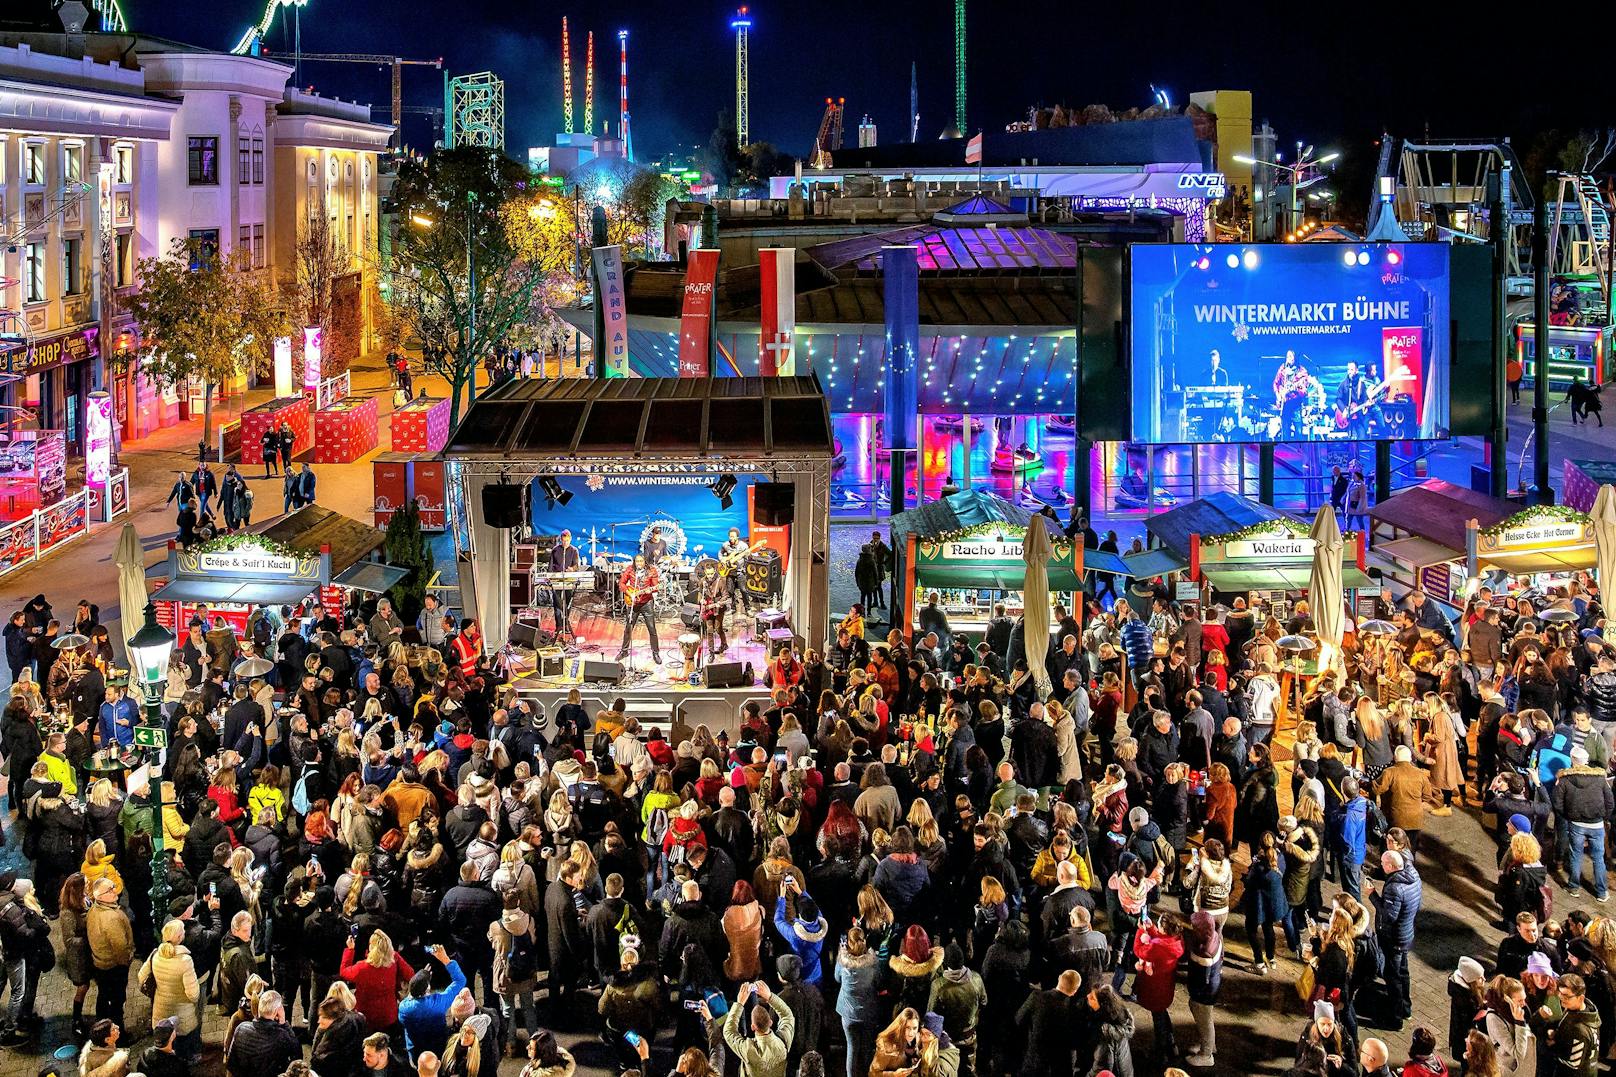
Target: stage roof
{"points": [[528, 419]]}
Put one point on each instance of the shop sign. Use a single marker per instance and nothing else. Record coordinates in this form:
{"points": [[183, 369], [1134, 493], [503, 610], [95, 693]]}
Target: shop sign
{"points": [[1543, 534], [1284, 549], [981, 550], [47, 352], [248, 561]]}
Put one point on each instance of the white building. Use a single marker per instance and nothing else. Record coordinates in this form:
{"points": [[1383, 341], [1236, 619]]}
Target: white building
{"points": [[195, 144]]}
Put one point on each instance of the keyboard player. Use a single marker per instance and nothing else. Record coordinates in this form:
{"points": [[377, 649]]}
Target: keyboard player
{"points": [[564, 557]]}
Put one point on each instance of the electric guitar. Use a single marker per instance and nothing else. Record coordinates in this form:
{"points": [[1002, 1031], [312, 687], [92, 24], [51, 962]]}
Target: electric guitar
{"points": [[636, 597], [728, 562], [1345, 415]]}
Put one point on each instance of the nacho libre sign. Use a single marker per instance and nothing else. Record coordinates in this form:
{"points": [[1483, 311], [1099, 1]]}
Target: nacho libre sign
{"points": [[989, 555]]}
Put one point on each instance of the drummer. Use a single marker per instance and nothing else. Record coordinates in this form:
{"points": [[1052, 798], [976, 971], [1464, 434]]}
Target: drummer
{"points": [[654, 548]]}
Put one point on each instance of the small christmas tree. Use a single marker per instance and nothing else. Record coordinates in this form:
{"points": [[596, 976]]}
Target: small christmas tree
{"points": [[405, 546]]}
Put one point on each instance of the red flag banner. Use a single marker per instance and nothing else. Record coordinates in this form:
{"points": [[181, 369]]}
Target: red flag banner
{"points": [[696, 317]]}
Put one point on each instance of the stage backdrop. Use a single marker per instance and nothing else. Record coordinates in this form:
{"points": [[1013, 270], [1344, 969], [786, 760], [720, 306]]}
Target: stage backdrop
{"points": [[632, 502], [1212, 327]]}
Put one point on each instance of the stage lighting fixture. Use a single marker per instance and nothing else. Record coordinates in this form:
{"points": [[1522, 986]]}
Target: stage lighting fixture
{"points": [[553, 492], [722, 487], [1363, 258], [1249, 259], [1350, 258], [1233, 261], [1393, 257]]}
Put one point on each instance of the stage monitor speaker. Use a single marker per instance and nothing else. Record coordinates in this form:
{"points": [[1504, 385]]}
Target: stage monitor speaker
{"points": [[773, 503], [596, 670], [761, 574], [726, 675], [526, 634], [502, 505], [690, 616]]}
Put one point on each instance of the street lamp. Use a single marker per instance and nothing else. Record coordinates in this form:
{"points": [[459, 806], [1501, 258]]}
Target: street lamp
{"points": [[1304, 161], [149, 649]]}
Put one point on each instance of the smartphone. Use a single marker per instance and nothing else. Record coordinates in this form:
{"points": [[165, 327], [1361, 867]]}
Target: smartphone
{"points": [[693, 1005], [781, 757], [633, 1038], [213, 890]]}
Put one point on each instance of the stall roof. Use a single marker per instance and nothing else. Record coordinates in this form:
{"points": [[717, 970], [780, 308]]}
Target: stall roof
{"points": [[541, 419], [313, 527], [958, 511], [370, 576], [243, 592], [1417, 552], [1135, 565], [1437, 510], [1570, 559], [1215, 514]]}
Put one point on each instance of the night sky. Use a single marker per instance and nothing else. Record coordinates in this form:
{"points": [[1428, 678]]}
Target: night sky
{"points": [[1310, 74]]}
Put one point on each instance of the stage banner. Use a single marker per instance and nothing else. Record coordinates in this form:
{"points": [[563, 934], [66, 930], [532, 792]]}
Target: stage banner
{"points": [[611, 345], [696, 319], [900, 269], [612, 514], [777, 324]]}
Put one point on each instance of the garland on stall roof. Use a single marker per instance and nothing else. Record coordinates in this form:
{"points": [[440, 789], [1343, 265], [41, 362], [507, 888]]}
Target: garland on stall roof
{"points": [[1537, 514], [243, 541], [999, 531], [1280, 525]]}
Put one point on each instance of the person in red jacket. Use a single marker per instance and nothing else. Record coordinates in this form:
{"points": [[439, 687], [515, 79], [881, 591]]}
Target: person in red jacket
{"points": [[1159, 946], [376, 981], [1215, 637]]}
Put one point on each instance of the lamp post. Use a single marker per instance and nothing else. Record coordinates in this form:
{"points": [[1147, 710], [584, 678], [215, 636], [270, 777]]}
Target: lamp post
{"points": [[1304, 162], [149, 649]]}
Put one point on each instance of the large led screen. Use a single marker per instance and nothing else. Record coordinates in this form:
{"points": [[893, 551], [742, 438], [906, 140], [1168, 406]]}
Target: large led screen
{"points": [[1289, 342]]}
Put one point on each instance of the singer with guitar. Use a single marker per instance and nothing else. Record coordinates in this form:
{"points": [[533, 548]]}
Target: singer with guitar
{"points": [[731, 568], [1292, 386], [1357, 403], [638, 583], [712, 597]]}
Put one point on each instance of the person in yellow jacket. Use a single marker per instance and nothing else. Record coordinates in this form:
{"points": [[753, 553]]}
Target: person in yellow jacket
{"points": [[100, 864], [174, 827], [56, 764], [266, 793]]}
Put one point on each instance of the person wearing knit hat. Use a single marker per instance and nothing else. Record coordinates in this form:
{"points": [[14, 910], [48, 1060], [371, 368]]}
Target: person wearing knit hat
{"points": [[1466, 994], [1538, 965], [1519, 824], [1204, 942]]}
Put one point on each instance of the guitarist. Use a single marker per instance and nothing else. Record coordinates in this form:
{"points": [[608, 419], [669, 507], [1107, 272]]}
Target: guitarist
{"points": [[733, 556], [638, 584], [713, 597], [1357, 403]]}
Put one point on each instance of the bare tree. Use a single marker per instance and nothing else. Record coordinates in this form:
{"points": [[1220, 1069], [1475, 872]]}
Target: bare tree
{"points": [[319, 258]]}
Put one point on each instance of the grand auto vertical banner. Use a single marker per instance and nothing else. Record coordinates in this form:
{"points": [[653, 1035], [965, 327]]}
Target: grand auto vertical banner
{"points": [[696, 317], [777, 320], [900, 269], [611, 298]]}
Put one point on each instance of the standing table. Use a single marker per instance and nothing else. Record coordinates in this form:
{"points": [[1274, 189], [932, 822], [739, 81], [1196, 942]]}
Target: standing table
{"points": [[422, 425], [345, 431], [291, 410]]}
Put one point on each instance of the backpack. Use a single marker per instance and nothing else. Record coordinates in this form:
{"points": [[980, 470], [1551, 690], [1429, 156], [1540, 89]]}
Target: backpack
{"points": [[300, 793], [262, 630], [1166, 855], [656, 827], [522, 963], [424, 896]]}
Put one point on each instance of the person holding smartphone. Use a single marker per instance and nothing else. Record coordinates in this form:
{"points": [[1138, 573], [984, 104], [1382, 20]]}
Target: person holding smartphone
{"points": [[763, 1053]]}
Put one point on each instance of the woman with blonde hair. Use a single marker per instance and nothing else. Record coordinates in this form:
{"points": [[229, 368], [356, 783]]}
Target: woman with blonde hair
{"points": [[176, 992], [898, 1046], [1373, 740], [100, 864], [929, 844], [377, 980], [515, 966], [1522, 879], [588, 870], [516, 876]]}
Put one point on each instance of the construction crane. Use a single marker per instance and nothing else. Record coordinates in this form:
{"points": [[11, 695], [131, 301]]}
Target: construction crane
{"points": [[398, 63], [829, 138], [431, 112]]}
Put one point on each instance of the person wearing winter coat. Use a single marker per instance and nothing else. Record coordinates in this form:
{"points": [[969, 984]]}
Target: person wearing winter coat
{"points": [[743, 928], [1265, 902], [1081, 948], [177, 987], [1466, 995], [424, 1013], [377, 980], [516, 967], [23, 932], [958, 994], [1583, 803], [53, 841], [692, 921], [568, 947], [807, 1008], [1397, 905], [1204, 951], [1257, 813], [1112, 1033], [112, 949], [916, 961], [797, 919], [101, 1056], [1158, 947], [764, 1052], [265, 1045], [858, 1003]]}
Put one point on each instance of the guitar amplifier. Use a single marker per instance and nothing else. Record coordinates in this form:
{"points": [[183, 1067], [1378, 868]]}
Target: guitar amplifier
{"points": [[761, 574]]}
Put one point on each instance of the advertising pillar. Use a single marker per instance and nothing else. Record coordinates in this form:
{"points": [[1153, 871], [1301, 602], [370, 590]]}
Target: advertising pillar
{"points": [[777, 323], [283, 367], [696, 316], [98, 448], [313, 342], [900, 270]]}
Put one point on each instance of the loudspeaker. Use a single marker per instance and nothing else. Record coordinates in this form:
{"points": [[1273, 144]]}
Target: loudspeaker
{"points": [[524, 634], [726, 675], [502, 505], [596, 670], [772, 503], [760, 573], [690, 616]]}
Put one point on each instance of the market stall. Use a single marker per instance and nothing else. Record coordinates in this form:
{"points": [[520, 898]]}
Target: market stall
{"points": [[1417, 536], [1540, 547], [967, 548], [312, 552], [345, 431], [422, 425], [1269, 560], [291, 410]]}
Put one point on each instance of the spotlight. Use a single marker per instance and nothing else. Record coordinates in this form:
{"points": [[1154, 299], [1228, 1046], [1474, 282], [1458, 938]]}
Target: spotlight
{"points": [[1233, 261], [722, 487], [1393, 258], [553, 492], [1350, 258], [1249, 260], [1363, 258]]}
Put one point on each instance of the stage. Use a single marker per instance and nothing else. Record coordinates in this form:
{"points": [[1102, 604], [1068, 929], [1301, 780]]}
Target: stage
{"points": [[653, 692]]}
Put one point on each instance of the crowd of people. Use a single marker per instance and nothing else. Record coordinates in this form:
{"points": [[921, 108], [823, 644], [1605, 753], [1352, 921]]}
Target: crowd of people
{"points": [[206, 505], [911, 859]]}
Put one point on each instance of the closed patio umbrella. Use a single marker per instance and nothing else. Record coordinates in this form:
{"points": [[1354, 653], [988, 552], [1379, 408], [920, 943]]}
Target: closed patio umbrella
{"points": [[1035, 602], [1324, 586], [130, 558]]}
